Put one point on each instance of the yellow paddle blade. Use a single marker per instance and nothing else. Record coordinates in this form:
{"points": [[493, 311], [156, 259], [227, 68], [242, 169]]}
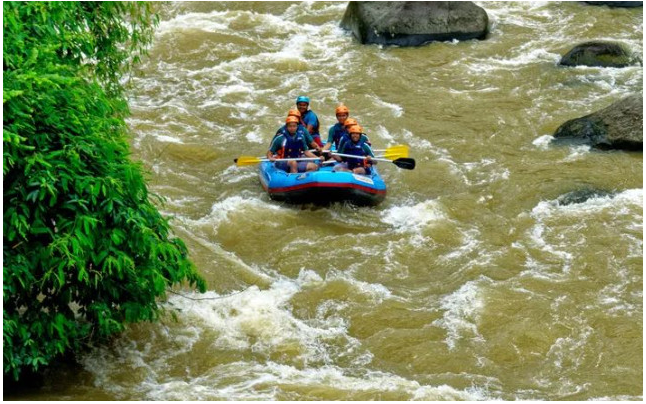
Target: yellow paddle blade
{"points": [[391, 156], [396, 154], [247, 161], [401, 150]]}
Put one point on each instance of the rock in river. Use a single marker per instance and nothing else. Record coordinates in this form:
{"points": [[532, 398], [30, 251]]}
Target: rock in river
{"points": [[619, 126], [581, 196], [601, 54], [615, 3], [413, 23]]}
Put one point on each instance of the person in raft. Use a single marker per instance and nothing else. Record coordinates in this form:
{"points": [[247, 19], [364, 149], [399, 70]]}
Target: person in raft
{"points": [[358, 147], [301, 129], [346, 137], [291, 145], [309, 118], [338, 130]]}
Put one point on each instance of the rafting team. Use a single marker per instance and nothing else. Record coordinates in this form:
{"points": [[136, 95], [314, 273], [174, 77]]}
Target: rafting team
{"points": [[301, 132]]}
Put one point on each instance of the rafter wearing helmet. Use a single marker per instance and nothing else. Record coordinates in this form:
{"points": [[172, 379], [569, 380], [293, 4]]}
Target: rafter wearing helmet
{"points": [[291, 145], [310, 120], [356, 146], [338, 130], [301, 129]]}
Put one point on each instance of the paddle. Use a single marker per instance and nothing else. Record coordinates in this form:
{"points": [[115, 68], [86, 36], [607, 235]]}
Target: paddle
{"points": [[392, 151], [385, 157], [401, 162], [250, 160]]}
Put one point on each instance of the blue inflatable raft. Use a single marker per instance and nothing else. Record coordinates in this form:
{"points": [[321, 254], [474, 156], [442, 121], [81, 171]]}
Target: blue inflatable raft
{"points": [[323, 186]]}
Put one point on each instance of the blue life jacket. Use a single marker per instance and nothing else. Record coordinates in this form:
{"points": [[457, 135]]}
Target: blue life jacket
{"points": [[315, 127], [292, 145], [346, 139], [339, 133], [283, 131], [355, 149]]}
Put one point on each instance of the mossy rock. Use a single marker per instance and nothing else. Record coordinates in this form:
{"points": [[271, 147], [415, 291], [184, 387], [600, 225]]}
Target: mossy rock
{"points": [[600, 54]]}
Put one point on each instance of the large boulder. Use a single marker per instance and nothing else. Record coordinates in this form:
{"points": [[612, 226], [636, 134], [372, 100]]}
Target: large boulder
{"points": [[619, 126], [413, 23], [600, 54], [615, 3]]}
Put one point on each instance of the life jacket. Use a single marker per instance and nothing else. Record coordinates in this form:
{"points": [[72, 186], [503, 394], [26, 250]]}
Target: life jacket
{"points": [[346, 139], [315, 127], [283, 131], [292, 146], [355, 149], [338, 133]]}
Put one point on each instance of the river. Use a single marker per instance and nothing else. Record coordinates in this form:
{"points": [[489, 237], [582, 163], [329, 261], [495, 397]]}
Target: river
{"points": [[473, 280]]}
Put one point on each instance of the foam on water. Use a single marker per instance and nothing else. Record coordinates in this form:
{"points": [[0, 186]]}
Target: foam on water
{"points": [[570, 349], [559, 242], [515, 63], [417, 143], [234, 174], [395, 110], [271, 381], [222, 210], [619, 203], [577, 153], [384, 134], [461, 312], [619, 397], [414, 218], [470, 245], [168, 139], [254, 137], [375, 291], [208, 22], [543, 142], [260, 322], [485, 171]]}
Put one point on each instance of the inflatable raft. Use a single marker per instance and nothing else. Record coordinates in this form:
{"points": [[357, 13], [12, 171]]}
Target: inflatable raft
{"points": [[323, 186]]}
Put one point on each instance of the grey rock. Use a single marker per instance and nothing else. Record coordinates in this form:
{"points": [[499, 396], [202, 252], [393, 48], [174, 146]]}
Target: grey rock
{"points": [[615, 3], [582, 195], [413, 23], [619, 126], [600, 54]]}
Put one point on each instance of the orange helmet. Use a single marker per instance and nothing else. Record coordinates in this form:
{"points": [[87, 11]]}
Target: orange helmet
{"points": [[350, 122], [294, 112], [355, 129], [342, 109], [291, 119]]}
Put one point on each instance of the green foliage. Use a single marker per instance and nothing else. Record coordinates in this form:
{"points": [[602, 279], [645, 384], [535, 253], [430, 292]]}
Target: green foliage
{"points": [[84, 249]]}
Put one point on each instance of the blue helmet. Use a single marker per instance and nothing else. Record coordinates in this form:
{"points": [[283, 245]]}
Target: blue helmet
{"points": [[302, 98]]}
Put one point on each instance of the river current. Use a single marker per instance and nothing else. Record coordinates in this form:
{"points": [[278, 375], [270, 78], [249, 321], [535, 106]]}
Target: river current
{"points": [[473, 280]]}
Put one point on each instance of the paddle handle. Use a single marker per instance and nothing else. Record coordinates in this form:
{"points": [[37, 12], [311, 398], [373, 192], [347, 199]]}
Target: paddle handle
{"points": [[294, 159], [335, 153], [374, 150], [352, 156]]}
